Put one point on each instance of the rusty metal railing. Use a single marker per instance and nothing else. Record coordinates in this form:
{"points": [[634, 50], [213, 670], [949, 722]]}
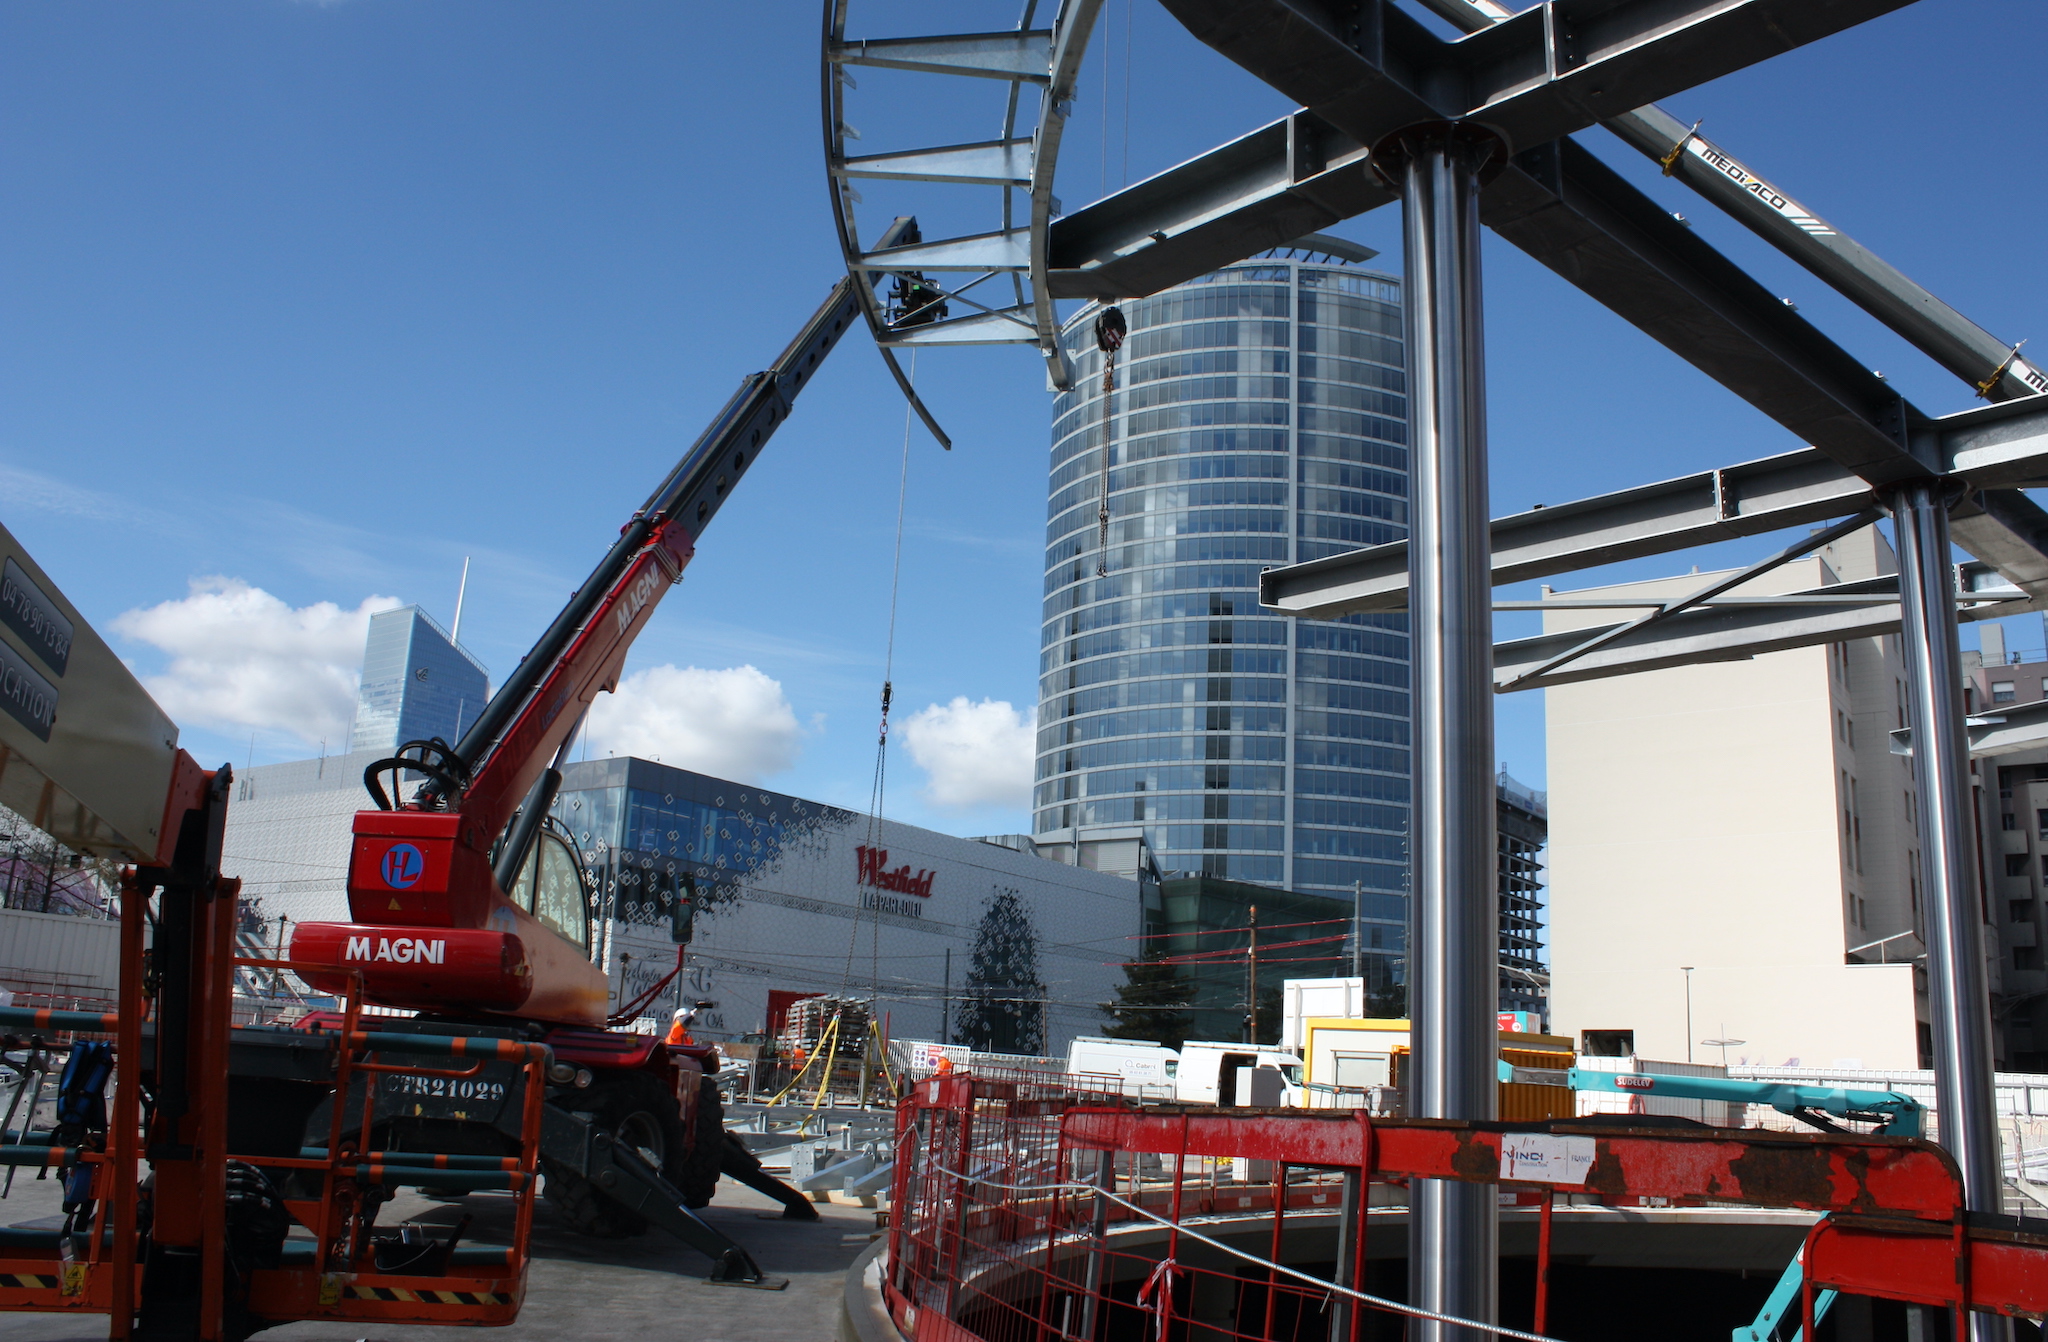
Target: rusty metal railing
{"points": [[1028, 1210]]}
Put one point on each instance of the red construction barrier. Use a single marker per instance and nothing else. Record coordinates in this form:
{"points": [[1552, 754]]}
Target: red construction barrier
{"points": [[1021, 1209]]}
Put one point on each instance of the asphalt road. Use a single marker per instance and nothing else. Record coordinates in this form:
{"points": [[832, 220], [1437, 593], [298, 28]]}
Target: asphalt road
{"points": [[647, 1289]]}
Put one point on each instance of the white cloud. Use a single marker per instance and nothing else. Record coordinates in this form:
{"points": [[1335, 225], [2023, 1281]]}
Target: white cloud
{"points": [[735, 723], [976, 754], [241, 659]]}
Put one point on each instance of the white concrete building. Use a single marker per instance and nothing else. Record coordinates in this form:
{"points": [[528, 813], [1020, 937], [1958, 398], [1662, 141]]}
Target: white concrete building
{"points": [[1734, 844], [802, 898]]}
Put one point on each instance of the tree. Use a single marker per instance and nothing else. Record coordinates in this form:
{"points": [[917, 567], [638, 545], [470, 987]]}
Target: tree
{"points": [[1153, 1002], [1004, 1011], [1389, 1002]]}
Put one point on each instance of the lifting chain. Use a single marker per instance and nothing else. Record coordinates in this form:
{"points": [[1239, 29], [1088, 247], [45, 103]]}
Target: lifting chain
{"points": [[1110, 330]]}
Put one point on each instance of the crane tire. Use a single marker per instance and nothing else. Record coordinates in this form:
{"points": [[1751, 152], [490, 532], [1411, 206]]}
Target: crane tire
{"points": [[587, 1210], [696, 1174], [640, 1112]]}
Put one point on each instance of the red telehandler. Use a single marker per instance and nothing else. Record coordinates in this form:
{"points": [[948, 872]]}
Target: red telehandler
{"points": [[270, 1150], [470, 906], [472, 910]]}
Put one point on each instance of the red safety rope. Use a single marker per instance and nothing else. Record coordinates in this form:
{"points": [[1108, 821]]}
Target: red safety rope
{"points": [[639, 1004]]}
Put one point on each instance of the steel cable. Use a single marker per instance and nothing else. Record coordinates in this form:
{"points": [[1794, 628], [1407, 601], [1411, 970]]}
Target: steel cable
{"points": [[1380, 1302]]}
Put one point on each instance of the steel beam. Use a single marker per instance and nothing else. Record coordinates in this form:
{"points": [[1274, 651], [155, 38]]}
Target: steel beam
{"points": [[1997, 446], [1721, 585], [1746, 500], [1532, 77], [2008, 531], [1074, 24], [1023, 56], [1994, 448], [1923, 320], [2003, 729], [1930, 325], [1005, 249], [998, 326], [1579, 217], [1548, 71], [1736, 630], [1565, 208], [1453, 946], [989, 163], [1262, 190]]}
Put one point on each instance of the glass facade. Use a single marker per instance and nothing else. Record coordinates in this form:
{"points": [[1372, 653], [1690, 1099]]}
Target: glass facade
{"points": [[1205, 923], [647, 831], [1524, 828], [417, 684], [1261, 419]]}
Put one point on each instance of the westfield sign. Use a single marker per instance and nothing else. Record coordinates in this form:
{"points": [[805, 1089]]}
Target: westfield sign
{"points": [[874, 871]]}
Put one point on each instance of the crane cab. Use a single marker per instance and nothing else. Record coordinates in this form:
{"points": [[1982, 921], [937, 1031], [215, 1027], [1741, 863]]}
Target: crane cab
{"points": [[430, 930]]}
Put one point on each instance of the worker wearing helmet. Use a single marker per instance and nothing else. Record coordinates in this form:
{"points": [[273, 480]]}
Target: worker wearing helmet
{"points": [[679, 1028]]}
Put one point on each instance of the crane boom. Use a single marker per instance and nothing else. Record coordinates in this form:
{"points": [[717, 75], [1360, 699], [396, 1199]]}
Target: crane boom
{"points": [[433, 926], [521, 727]]}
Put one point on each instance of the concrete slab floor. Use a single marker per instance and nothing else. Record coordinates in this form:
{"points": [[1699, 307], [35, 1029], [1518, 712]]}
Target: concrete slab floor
{"points": [[645, 1289]]}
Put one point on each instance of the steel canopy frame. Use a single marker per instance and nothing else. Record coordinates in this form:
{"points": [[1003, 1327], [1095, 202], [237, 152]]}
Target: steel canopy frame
{"points": [[1936, 329], [1048, 59], [1381, 78]]}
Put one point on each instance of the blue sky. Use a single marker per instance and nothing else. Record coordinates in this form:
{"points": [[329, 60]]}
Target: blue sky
{"points": [[321, 298]]}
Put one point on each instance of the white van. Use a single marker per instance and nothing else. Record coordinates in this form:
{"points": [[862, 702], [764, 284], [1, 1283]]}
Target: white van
{"points": [[1141, 1070], [1209, 1071]]}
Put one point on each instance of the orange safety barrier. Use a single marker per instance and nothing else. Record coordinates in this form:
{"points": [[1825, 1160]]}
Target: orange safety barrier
{"points": [[334, 1275]]}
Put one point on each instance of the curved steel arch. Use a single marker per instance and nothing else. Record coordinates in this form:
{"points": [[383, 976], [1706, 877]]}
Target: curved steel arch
{"points": [[1047, 58]]}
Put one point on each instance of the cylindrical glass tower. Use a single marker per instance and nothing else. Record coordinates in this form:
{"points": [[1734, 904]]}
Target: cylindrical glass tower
{"points": [[1261, 419]]}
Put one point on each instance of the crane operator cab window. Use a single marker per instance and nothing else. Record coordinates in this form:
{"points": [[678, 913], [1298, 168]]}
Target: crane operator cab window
{"points": [[551, 889]]}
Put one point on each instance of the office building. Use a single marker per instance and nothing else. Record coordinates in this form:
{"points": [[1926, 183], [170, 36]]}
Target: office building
{"points": [[2013, 825], [417, 684], [1205, 924], [1733, 847], [1522, 824], [1261, 420], [978, 940]]}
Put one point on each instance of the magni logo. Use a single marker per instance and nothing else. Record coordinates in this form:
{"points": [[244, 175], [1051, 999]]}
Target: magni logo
{"points": [[402, 866]]}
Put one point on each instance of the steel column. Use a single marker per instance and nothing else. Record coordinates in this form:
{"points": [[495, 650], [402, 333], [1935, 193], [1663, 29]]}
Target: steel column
{"points": [[1453, 1240], [1958, 1004], [1098, 1242], [1351, 1232]]}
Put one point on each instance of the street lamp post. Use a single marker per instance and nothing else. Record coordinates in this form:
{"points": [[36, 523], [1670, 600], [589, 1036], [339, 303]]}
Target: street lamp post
{"points": [[1688, 1011]]}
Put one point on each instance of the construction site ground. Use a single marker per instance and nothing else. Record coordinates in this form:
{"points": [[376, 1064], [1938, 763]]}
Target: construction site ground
{"points": [[587, 1289]]}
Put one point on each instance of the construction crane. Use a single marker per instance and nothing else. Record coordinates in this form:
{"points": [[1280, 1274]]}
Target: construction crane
{"points": [[468, 903], [271, 1150]]}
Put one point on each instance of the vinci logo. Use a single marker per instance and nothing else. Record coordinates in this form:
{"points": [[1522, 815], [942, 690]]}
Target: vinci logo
{"points": [[874, 870], [402, 950], [402, 866]]}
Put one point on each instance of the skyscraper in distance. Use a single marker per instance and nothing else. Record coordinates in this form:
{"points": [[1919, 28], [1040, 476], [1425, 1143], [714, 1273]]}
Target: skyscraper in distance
{"points": [[418, 683], [1260, 420]]}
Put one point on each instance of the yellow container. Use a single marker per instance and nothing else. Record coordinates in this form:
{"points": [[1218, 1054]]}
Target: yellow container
{"points": [[1353, 1055]]}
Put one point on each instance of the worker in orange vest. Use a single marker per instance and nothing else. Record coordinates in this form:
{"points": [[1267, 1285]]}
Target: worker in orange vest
{"points": [[945, 1065], [685, 1017]]}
